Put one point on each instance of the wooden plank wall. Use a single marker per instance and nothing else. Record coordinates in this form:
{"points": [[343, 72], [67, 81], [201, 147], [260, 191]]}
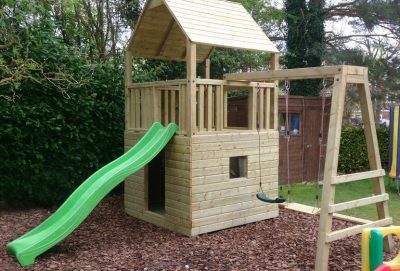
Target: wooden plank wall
{"points": [[200, 196], [177, 187], [219, 202]]}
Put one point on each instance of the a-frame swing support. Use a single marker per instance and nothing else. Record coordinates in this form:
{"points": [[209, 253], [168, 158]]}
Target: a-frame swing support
{"points": [[342, 76]]}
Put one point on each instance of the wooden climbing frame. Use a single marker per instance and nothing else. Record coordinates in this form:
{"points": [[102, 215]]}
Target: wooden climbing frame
{"points": [[342, 76]]}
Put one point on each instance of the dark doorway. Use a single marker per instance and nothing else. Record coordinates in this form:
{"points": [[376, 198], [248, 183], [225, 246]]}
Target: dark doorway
{"points": [[156, 183]]}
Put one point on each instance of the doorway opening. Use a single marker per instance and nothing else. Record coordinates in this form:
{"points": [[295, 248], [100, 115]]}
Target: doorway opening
{"points": [[156, 184]]}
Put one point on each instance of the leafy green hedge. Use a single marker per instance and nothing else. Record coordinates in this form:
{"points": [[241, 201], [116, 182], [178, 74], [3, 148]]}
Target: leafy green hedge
{"points": [[49, 144], [353, 154], [52, 141]]}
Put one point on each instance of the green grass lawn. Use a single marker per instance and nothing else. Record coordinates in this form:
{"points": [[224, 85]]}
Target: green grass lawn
{"points": [[305, 193]]}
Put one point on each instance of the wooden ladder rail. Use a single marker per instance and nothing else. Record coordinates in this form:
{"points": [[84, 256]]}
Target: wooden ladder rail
{"points": [[380, 198]]}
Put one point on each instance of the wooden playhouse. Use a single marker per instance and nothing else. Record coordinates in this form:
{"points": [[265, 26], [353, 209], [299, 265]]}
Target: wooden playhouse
{"points": [[207, 177]]}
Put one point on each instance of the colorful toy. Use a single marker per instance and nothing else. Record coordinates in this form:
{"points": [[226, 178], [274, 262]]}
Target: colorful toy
{"points": [[384, 267], [372, 249]]}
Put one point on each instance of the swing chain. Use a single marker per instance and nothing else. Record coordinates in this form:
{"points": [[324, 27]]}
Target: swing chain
{"points": [[286, 89]]}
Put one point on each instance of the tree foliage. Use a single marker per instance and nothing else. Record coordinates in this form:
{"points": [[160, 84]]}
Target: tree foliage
{"points": [[62, 102], [304, 41]]}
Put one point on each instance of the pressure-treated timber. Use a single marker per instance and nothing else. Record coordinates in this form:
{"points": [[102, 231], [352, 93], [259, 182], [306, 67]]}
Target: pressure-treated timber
{"points": [[201, 108], [358, 176], [128, 81], [207, 64], [191, 87], [348, 75], [164, 26], [328, 191], [296, 74], [273, 122], [340, 234], [357, 203]]}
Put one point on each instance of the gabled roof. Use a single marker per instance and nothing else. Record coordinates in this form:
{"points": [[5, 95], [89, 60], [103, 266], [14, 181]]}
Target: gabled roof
{"points": [[164, 25]]}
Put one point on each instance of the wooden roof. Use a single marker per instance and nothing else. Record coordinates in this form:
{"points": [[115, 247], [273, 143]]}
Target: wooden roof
{"points": [[164, 25]]}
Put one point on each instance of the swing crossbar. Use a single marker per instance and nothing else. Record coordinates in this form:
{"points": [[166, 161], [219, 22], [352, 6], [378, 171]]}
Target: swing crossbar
{"points": [[358, 176], [357, 203], [340, 234], [300, 73]]}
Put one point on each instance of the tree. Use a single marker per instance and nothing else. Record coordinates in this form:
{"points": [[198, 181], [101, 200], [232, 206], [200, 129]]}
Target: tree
{"points": [[305, 41]]}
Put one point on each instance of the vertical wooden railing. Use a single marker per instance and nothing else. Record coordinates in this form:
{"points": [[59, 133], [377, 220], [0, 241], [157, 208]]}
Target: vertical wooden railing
{"points": [[165, 102]]}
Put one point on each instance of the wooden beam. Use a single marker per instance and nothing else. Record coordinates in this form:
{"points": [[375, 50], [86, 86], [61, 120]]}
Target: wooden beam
{"points": [[340, 234], [355, 79], [373, 149], [154, 4], [357, 203], [331, 163], [191, 88], [210, 115], [252, 109], [210, 52], [156, 104], [274, 94], [219, 108], [207, 68], [274, 61], [165, 37], [295, 74], [358, 176], [128, 98], [201, 108], [261, 108], [172, 106], [182, 108]]}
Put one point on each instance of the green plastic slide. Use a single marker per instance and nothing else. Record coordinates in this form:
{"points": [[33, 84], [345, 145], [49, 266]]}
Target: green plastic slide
{"points": [[85, 198]]}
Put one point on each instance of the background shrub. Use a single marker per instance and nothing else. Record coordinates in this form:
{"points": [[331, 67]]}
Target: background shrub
{"points": [[52, 139], [353, 155]]}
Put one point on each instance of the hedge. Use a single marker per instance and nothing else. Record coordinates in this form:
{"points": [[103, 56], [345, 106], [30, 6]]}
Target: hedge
{"points": [[50, 144], [353, 155]]}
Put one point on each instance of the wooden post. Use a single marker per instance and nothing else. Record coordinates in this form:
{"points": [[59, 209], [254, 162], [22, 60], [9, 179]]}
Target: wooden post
{"points": [[222, 103], [182, 108], [210, 115], [191, 87], [128, 82], [156, 104], [219, 108], [207, 68], [201, 107], [274, 95], [261, 108], [374, 158], [252, 109], [331, 163]]}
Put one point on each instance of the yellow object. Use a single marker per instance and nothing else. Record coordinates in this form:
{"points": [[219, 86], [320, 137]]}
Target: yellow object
{"points": [[393, 168], [394, 263]]}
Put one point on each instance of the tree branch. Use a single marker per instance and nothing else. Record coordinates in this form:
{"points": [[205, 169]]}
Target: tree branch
{"points": [[8, 45]]}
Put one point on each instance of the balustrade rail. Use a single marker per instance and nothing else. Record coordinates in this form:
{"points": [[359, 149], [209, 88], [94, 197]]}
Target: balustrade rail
{"points": [[165, 102]]}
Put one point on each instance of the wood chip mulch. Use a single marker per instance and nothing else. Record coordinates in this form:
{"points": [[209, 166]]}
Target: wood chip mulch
{"points": [[112, 240]]}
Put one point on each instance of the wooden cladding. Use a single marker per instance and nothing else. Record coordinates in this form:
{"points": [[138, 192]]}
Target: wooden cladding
{"points": [[166, 102]]}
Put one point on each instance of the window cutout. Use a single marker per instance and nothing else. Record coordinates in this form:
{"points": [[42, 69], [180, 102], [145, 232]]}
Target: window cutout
{"points": [[237, 167], [294, 124]]}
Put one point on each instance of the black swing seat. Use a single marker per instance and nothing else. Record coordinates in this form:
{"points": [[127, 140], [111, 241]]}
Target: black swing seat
{"points": [[261, 196]]}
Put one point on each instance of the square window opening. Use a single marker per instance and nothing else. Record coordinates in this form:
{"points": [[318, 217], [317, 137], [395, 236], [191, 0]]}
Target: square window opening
{"points": [[238, 167]]}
